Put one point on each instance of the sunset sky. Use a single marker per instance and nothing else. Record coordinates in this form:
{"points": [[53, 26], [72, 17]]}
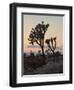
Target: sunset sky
{"points": [[54, 30]]}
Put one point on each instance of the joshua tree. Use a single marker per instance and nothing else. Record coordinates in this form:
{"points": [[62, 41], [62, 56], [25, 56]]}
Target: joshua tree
{"points": [[51, 43], [37, 35]]}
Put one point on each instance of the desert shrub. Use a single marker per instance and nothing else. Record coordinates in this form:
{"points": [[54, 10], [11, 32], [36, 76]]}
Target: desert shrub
{"points": [[34, 62], [57, 53], [31, 54], [39, 53], [25, 55]]}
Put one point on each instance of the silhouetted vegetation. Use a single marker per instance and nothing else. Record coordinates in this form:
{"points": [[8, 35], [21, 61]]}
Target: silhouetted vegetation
{"points": [[37, 35], [51, 43], [31, 54], [25, 55], [39, 53]]}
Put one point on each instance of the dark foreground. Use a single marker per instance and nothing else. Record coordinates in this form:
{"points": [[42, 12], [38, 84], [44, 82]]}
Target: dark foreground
{"points": [[40, 65]]}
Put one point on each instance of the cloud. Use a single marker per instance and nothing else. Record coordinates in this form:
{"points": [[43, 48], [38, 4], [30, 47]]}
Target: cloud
{"points": [[35, 46]]}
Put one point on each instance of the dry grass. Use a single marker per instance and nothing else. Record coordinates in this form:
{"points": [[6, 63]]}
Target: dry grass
{"points": [[40, 65]]}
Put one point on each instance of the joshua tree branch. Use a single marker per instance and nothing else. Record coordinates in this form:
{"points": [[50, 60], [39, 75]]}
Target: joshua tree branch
{"points": [[38, 43]]}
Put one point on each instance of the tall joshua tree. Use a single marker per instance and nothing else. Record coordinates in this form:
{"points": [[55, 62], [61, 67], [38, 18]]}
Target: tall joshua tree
{"points": [[37, 35], [51, 43]]}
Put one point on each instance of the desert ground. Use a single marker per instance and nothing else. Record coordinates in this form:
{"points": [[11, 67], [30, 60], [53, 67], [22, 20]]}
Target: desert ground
{"points": [[43, 65]]}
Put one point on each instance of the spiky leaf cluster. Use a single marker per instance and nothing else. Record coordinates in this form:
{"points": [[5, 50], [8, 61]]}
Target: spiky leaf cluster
{"points": [[38, 33]]}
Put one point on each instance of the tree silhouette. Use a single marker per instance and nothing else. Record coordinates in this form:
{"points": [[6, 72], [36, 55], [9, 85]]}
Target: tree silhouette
{"points": [[37, 35], [51, 43]]}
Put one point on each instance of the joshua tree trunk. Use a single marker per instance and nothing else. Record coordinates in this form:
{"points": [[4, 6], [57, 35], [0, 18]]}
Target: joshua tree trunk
{"points": [[53, 52], [54, 59], [42, 48]]}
